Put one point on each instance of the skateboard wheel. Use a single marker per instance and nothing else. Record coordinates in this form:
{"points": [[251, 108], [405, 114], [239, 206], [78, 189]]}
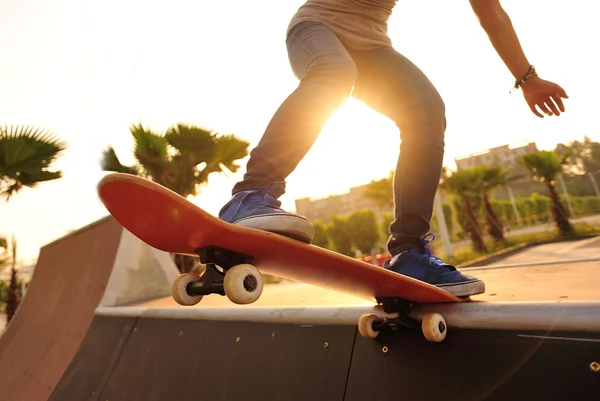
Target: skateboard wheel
{"points": [[243, 284], [365, 326], [434, 327], [179, 289]]}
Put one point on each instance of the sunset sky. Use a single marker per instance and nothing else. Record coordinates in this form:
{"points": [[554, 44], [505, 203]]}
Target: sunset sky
{"points": [[88, 70]]}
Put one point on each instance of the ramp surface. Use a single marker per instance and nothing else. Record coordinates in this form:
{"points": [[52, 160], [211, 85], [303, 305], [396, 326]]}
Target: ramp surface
{"points": [[132, 359], [299, 354], [69, 281]]}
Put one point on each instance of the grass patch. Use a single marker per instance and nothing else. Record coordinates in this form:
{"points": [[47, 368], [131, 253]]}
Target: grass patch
{"points": [[464, 256]]}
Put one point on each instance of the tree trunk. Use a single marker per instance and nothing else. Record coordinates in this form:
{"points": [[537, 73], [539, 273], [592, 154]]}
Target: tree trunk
{"points": [[558, 211], [14, 296], [473, 227], [493, 223]]}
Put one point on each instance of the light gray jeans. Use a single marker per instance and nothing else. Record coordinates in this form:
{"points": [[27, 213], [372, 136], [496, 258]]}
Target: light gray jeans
{"points": [[383, 79]]}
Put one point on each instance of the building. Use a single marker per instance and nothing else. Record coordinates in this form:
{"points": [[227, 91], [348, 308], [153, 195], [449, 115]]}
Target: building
{"points": [[505, 156], [339, 205]]}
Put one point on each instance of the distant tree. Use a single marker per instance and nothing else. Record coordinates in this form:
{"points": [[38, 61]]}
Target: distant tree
{"points": [[584, 156], [14, 292], [466, 186], [26, 158], [320, 237], [545, 166], [493, 178], [182, 159], [339, 235], [362, 226]]}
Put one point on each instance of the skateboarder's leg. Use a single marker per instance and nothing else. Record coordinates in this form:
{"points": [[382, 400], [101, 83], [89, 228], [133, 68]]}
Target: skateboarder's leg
{"points": [[392, 85], [327, 74]]}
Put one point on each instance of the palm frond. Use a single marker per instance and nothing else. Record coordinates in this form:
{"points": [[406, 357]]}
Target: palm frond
{"points": [[468, 182], [148, 143], [193, 143], [543, 165], [151, 151], [494, 177], [27, 149], [110, 162], [229, 149], [26, 156], [10, 189]]}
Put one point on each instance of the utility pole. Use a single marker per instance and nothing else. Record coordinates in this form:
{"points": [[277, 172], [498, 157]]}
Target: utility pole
{"points": [[591, 175], [441, 219], [514, 203]]}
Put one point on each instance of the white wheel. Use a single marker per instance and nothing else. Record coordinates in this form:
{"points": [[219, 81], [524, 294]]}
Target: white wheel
{"points": [[365, 326], [434, 327], [243, 284], [179, 289]]}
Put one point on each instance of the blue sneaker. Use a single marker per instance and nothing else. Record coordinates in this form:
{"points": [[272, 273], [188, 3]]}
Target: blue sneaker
{"points": [[261, 210], [420, 264]]}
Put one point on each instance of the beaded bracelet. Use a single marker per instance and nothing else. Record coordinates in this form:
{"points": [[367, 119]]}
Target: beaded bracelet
{"points": [[530, 73]]}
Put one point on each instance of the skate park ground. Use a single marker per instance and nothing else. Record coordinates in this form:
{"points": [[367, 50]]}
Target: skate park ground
{"points": [[98, 323]]}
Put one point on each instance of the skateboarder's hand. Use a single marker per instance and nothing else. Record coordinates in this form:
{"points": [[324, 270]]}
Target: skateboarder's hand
{"points": [[545, 95]]}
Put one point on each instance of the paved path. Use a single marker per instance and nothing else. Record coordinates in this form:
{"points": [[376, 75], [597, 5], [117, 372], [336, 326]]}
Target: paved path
{"points": [[593, 220]]}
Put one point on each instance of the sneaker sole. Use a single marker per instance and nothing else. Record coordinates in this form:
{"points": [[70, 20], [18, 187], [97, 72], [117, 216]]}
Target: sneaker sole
{"points": [[465, 288], [293, 226]]}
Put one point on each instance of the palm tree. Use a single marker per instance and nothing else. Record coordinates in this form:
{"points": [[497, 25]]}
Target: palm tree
{"points": [[545, 166], [492, 178], [466, 186], [26, 156], [14, 293], [182, 160]]}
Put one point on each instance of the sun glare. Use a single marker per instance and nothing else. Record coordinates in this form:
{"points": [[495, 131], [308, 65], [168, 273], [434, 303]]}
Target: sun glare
{"points": [[356, 145]]}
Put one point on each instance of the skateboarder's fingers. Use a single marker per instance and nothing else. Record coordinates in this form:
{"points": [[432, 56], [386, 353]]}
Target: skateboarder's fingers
{"points": [[557, 97], [544, 108], [535, 111], [552, 106]]}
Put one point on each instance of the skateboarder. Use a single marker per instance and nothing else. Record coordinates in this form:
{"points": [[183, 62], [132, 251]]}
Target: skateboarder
{"points": [[338, 48]]}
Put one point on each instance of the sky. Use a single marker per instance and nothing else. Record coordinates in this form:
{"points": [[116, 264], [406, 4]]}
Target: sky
{"points": [[88, 70]]}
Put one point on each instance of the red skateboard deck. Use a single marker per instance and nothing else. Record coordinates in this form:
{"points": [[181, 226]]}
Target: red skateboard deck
{"points": [[167, 221]]}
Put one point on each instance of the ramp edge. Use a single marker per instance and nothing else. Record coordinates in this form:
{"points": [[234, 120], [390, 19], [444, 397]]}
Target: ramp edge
{"points": [[530, 315]]}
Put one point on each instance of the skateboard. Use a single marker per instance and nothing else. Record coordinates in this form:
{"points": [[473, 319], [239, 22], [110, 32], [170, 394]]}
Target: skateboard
{"points": [[236, 257]]}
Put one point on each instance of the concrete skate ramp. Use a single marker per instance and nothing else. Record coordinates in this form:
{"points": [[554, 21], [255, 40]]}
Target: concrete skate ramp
{"points": [[101, 264], [505, 351], [68, 283]]}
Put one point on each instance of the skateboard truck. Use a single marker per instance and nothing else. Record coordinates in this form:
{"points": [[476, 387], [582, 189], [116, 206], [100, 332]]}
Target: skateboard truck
{"points": [[227, 273], [433, 325]]}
